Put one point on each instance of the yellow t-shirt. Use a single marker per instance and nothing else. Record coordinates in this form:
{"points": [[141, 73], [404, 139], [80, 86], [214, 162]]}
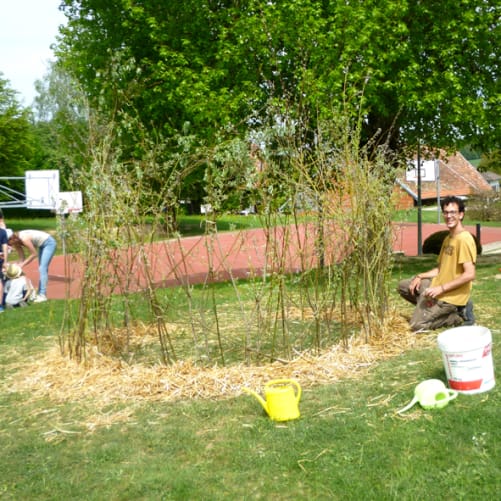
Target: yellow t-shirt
{"points": [[455, 251]]}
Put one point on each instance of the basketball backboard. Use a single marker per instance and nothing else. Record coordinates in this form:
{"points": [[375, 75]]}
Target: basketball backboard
{"points": [[69, 202], [428, 170], [42, 189]]}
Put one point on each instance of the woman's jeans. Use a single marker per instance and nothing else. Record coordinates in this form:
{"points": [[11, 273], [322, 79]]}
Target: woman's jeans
{"points": [[45, 253]]}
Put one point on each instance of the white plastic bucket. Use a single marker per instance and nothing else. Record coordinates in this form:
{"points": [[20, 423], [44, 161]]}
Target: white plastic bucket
{"points": [[467, 357]]}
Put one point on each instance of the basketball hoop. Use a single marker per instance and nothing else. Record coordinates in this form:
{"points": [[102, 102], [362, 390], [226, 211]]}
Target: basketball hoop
{"points": [[69, 202], [73, 211]]}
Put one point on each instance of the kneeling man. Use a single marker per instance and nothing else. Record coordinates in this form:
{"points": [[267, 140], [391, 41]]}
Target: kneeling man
{"points": [[442, 295]]}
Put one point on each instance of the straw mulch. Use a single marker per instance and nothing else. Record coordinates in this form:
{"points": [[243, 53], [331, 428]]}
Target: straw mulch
{"points": [[104, 380]]}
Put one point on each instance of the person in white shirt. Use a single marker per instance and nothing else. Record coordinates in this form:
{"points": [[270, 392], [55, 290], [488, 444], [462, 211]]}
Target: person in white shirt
{"points": [[38, 244]]}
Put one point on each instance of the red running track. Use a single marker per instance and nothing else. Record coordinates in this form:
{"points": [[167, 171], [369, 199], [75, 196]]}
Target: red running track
{"points": [[233, 254]]}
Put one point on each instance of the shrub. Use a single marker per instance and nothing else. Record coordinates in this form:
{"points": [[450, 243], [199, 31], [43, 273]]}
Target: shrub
{"points": [[485, 206]]}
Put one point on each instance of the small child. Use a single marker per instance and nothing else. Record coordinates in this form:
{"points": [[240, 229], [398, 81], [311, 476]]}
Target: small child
{"points": [[18, 288]]}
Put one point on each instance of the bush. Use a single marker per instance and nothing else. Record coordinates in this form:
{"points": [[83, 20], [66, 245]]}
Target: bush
{"points": [[485, 206], [433, 243]]}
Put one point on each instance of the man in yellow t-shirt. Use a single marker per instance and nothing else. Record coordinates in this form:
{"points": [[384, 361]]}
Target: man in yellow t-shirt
{"points": [[442, 295]]}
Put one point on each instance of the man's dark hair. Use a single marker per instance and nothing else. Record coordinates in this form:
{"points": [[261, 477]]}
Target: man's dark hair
{"points": [[452, 200]]}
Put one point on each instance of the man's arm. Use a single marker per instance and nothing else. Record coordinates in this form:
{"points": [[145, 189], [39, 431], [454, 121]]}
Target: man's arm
{"points": [[416, 281], [468, 275]]}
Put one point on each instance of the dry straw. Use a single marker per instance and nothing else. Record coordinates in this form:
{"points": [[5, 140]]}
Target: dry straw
{"points": [[104, 380]]}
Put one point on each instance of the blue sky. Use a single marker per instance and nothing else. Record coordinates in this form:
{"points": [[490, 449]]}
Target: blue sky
{"points": [[27, 29]]}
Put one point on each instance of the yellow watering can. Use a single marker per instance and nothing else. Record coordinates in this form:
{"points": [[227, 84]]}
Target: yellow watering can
{"points": [[282, 399]]}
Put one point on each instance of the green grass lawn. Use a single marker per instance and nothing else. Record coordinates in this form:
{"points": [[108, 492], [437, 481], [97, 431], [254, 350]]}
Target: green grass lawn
{"points": [[431, 215], [348, 444], [194, 225]]}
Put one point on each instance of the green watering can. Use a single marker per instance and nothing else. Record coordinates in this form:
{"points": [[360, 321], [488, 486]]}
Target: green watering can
{"points": [[431, 394]]}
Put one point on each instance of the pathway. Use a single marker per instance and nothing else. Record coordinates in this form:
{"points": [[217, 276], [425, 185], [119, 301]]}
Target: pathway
{"points": [[236, 254]]}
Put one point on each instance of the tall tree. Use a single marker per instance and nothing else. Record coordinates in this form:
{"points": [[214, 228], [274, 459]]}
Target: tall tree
{"points": [[60, 123], [425, 71], [16, 140], [491, 162]]}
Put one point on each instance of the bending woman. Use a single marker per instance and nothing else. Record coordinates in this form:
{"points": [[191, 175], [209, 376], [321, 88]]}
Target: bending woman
{"points": [[38, 243]]}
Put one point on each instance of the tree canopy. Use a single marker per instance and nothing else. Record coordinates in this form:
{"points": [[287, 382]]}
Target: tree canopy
{"points": [[16, 140], [417, 71], [491, 162]]}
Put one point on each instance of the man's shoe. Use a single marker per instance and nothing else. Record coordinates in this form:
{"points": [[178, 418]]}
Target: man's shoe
{"points": [[41, 298]]}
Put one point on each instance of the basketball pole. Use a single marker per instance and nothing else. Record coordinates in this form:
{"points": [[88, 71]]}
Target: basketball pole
{"points": [[419, 203]]}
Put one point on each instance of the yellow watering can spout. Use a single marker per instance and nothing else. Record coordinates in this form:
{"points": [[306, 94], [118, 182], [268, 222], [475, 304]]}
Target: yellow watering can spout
{"points": [[282, 399], [258, 398]]}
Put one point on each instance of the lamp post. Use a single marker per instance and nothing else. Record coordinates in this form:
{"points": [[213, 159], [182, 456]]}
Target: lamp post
{"points": [[437, 178], [419, 205]]}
